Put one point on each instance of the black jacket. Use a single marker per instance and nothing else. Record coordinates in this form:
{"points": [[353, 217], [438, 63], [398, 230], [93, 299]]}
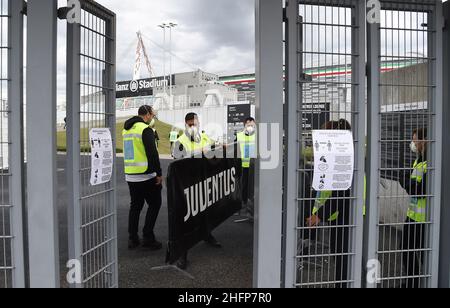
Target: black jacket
{"points": [[148, 137]]}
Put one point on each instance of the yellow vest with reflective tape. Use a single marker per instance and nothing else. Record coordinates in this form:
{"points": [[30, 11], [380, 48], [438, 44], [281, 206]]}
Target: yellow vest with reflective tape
{"points": [[192, 147], [247, 146], [135, 157], [417, 210], [323, 196], [173, 136]]}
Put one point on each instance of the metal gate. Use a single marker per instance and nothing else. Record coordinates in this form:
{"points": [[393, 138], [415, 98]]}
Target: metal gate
{"points": [[326, 89], [12, 272], [328, 85], [91, 104], [405, 98]]}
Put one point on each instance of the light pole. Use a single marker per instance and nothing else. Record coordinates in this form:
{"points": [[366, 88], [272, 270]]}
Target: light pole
{"points": [[164, 26], [170, 26]]}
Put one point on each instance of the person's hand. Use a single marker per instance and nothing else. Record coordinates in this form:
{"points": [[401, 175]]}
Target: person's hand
{"points": [[159, 180], [313, 221]]}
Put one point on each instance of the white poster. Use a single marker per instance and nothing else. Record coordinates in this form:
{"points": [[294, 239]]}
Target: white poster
{"points": [[102, 155], [334, 159]]}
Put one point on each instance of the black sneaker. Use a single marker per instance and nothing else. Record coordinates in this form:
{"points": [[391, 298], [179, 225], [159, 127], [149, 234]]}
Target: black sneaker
{"points": [[182, 264], [133, 244], [152, 245], [211, 241]]}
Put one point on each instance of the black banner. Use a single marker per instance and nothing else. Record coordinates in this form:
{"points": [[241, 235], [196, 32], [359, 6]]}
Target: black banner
{"points": [[202, 194]]}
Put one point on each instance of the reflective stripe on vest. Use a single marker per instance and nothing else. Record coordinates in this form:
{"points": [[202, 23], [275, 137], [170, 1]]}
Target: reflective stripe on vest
{"points": [[192, 147], [248, 148], [417, 210], [135, 157]]}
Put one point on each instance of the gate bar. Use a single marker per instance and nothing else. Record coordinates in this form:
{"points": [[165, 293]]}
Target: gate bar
{"points": [[444, 279], [269, 109], [292, 180], [359, 131], [373, 145], [15, 97], [436, 75], [41, 144], [73, 144], [110, 110]]}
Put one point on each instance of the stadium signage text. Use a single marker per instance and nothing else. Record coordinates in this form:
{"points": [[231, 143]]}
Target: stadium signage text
{"points": [[141, 87]]}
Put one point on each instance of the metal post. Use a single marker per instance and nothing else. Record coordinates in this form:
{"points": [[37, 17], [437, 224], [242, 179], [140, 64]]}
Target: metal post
{"points": [[444, 277], [73, 143], [269, 109], [436, 107], [15, 91], [41, 143], [291, 179], [110, 109], [359, 118], [373, 143]]}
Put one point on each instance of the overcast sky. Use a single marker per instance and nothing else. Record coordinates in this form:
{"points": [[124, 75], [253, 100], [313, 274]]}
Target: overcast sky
{"points": [[214, 35]]}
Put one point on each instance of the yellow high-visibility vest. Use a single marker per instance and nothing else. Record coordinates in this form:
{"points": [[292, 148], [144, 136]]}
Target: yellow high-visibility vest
{"points": [[248, 148], [173, 136], [135, 157], [417, 210], [192, 147]]}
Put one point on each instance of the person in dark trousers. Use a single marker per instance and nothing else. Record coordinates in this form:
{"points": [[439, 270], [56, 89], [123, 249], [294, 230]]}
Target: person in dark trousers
{"points": [[190, 144], [415, 184], [335, 207], [144, 177], [247, 149]]}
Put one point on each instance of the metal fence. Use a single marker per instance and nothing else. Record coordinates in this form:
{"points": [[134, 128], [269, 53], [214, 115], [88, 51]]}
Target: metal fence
{"points": [[11, 144], [326, 43], [329, 34], [92, 209], [403, 102]]}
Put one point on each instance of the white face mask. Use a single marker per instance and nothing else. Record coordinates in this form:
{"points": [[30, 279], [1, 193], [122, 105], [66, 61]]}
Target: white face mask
{"points": [[250, 130], [413, 148], [193, 130], [152, 123]]}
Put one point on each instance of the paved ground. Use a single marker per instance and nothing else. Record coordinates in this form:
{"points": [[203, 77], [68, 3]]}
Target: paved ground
{"points": [[230, 267]]}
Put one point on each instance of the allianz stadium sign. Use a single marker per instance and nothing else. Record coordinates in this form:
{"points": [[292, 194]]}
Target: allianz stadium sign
{"points": [[141, 87]]}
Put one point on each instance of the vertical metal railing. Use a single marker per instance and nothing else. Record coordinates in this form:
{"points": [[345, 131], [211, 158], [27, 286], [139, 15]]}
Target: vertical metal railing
{"points": [[405, 93], [12, 271], [91, 83], [331, 81]]}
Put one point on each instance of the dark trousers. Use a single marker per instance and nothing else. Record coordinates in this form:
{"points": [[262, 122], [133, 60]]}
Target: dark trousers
{"points": [[248, 186], [413, 239], [339, 245], [140, 193]]}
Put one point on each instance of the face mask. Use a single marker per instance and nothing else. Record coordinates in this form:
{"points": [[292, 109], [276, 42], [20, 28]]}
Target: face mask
{"points": [[192, 130], [152, 123], [413, 148], [250, 130]]}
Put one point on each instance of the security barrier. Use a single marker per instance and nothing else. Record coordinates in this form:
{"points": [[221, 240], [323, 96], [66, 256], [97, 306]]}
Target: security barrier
{"points": [[91, 83], [386, 233]]}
